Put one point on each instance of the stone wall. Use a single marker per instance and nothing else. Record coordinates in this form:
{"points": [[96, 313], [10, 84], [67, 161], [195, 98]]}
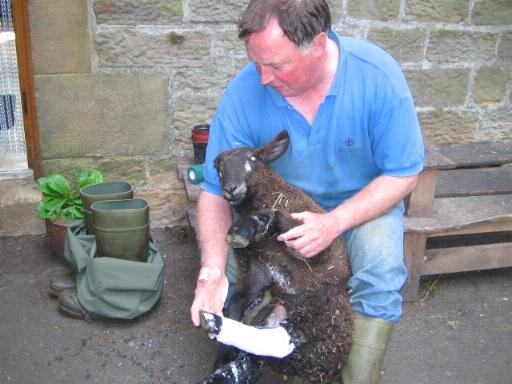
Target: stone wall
{"points": [[120, 83]]}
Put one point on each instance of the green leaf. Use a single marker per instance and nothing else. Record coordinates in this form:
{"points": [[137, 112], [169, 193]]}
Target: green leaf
{"points": [[68, 215], [59, 184], [45, 189], [53, 204], [46, 214], [77, 212], [86, 177], [82, 173]]}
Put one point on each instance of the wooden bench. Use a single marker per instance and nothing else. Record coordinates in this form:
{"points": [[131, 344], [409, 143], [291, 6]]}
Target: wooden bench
{"points": [[464, 196], [464, 190]]}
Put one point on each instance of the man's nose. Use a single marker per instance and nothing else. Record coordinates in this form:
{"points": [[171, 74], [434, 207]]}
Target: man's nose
{"points": [[266, 74]]}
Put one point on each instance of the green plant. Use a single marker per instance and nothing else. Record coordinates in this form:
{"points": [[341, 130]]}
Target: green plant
{"points": [[61, 199]]}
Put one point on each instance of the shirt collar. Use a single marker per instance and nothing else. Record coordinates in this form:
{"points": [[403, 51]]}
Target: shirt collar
{"points": [[336, 82]]}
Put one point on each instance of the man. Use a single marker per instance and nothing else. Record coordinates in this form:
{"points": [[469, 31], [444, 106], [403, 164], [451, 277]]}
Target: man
{"points": [[356, 148]]}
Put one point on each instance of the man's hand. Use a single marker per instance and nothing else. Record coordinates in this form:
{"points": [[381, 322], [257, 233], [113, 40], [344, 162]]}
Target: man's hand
{"points": [[316, 233], [210, 294]]}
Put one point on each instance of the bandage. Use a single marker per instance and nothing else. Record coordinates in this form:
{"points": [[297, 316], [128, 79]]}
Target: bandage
{"points": [[274, 342]]}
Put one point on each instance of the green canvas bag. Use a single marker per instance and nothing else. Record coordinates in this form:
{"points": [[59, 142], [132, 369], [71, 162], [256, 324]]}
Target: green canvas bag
{"points": [[111, 287]]}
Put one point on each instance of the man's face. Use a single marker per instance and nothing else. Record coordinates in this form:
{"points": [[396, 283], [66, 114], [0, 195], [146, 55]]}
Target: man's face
{"points": [[281, 63]]}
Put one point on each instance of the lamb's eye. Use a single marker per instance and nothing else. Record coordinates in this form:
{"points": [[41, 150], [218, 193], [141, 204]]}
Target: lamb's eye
{"points": [[252, 158]]}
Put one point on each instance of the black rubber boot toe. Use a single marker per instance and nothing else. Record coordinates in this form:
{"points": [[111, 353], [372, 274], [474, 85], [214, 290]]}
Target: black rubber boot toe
{"points": [[70, 306], [60, 283]]}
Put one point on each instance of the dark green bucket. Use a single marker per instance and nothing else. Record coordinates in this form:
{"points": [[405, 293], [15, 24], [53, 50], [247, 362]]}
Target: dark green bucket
{"points": [[122, 228], [114, 190]]}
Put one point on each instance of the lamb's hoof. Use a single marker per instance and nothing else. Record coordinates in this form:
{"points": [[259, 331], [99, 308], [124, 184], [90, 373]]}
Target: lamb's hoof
{"points": [[211, 322], [245, 369], [237, 241]]}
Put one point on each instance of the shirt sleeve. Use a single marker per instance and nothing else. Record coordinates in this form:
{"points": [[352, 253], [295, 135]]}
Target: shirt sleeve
{"points": [[397, 140]]}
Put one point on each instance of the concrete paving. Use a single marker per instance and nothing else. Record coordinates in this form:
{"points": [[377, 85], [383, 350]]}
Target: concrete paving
{"points": [[459, 332]]}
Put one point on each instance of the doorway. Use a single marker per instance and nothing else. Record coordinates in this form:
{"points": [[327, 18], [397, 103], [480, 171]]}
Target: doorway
{"points": [[19, 136]]}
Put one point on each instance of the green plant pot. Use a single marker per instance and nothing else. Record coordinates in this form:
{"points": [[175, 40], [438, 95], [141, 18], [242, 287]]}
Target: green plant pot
{"points": [[122, 228], [114, 190]]}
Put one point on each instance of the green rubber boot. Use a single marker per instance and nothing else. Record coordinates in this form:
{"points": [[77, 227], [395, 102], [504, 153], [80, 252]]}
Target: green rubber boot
{"points": [[371, 337], [122, 228], [114, 190]]}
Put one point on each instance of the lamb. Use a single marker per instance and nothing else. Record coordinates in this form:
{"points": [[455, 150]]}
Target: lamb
{"points": [[310, 302]]}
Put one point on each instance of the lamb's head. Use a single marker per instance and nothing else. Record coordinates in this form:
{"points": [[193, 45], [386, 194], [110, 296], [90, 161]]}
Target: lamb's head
{"points": [[237, 167]]}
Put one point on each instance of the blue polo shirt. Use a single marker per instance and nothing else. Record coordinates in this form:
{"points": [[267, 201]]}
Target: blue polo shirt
{"points": [[366, 126]]}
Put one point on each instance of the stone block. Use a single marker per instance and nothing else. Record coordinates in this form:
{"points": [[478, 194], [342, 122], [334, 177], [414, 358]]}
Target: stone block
{"points": [[189, 82], [60, 36], [492, 12], [461, 46], [374, 9], [141, 47], [167, 208], [438, 88], [103, 115], [448, 127], [212, 11], [227, 43], [130, 169], [137, 12], [190, 111], [336, 8], [19, 198], [501, 114], [495, 133], [405, 45], [490, 85], [505, 49], [452, 11], [162, 173], [67, 167]]}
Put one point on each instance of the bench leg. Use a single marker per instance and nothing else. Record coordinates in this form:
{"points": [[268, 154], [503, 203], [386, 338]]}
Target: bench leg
{"points": [[414, 252]]}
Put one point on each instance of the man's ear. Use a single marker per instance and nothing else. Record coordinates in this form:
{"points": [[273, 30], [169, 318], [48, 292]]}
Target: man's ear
{"points": [[275, 149], [320, 43]]}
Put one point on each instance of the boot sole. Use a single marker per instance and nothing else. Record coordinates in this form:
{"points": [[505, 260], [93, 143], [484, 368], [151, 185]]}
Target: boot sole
{"points": [[76, 315]]}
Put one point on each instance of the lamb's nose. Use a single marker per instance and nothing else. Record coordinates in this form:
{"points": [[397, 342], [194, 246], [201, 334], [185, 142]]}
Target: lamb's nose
{"points": [[229, 190]]}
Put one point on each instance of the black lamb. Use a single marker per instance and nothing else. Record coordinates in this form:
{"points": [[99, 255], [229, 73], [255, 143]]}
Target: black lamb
{"points": [[309, 296]]}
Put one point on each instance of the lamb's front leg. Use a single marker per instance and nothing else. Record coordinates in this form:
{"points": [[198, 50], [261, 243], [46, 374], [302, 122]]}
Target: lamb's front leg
{"points": [[252, 228], [273, 342], [249, 229]]}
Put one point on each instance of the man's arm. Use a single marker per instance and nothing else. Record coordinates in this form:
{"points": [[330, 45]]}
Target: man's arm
{"points": [[319, 230], [213, 221]]}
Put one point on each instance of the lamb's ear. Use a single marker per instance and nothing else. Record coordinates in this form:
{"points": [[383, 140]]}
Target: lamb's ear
{"points": [[275, 149]]}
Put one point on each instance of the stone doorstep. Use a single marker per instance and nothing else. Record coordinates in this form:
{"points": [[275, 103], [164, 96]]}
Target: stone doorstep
{"points": [[19, 197]]}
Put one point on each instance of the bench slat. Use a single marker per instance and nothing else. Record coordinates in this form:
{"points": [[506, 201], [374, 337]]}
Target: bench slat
{"points": [[436, 160], [471, 258], [477, 154], [475, 182], [456, 213]]}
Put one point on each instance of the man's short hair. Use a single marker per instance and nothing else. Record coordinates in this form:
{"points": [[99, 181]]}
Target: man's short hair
{"points": [[300, 20]]}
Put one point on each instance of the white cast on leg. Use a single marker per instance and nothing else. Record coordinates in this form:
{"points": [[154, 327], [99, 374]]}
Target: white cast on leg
{"points": [[274, 342]]}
